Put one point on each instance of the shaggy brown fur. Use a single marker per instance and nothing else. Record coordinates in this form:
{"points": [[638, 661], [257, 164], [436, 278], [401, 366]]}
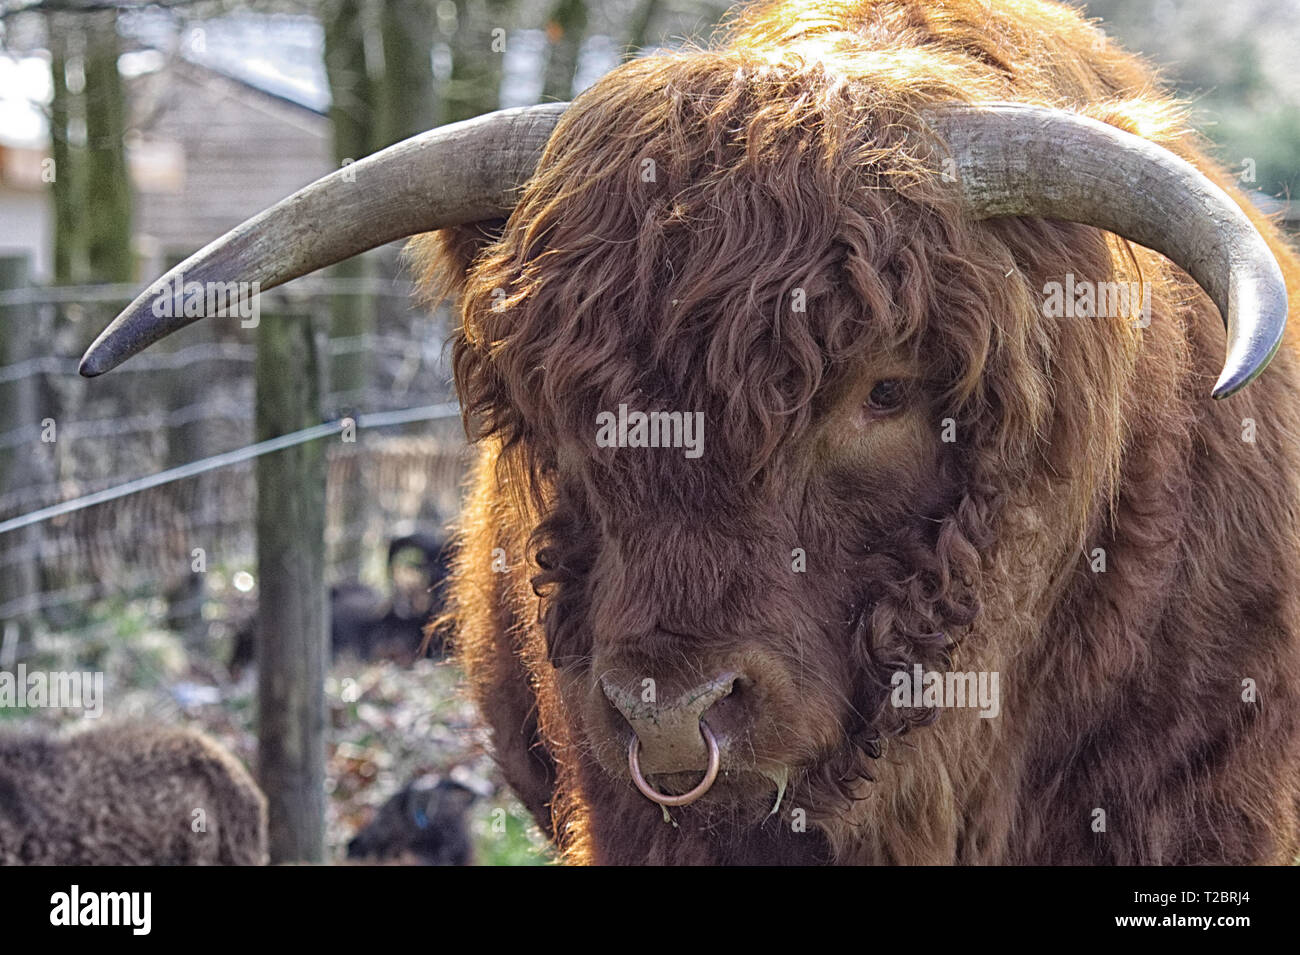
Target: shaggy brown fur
{"points": [[126, 795], [785, 159]]}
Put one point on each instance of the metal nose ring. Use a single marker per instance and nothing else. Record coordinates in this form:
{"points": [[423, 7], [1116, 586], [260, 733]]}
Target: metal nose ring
{"points": [[685, 799]]}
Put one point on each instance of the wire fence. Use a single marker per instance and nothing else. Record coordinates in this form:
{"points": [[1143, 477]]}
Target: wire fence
{"points": [[108, 487]]}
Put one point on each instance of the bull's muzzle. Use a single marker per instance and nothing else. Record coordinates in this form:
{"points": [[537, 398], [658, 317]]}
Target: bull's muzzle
{"points": [[673, 737]]}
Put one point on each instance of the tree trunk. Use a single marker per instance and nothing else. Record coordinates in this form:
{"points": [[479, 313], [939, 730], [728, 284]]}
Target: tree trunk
{"points": [[476, 59], [406, 103], [106, 216], [69, 255], [638, 32], [565, 31], [352, 314]]}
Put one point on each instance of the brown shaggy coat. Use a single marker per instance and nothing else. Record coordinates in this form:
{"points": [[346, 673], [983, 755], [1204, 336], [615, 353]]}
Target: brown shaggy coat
{"points": [[786, 159], [127, 795]]}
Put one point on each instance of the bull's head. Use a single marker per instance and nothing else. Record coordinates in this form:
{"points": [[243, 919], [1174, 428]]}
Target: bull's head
{"points": [[679, 573]]}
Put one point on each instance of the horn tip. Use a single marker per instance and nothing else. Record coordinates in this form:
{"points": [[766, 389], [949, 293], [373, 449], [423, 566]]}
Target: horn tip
{"points": [[1227, 386], [1247, 359], [1236, 375], [94, 363]]}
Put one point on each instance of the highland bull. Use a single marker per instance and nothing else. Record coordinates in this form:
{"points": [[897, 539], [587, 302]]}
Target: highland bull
{"points": [[832, 236]]}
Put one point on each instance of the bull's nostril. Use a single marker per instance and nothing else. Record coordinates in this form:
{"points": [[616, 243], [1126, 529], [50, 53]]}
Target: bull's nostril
{"points": [[727, 717]]}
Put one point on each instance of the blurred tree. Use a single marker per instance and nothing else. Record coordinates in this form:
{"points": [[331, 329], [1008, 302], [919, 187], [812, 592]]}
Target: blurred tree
{"points": [[476, 30], [106, 203], [91, 186], [69, 258], [407, 101], [378, 62], [638, 31], [565, 29], [353, 91]]}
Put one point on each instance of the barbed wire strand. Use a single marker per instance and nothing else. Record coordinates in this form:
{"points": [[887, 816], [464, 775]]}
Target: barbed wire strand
{"points": [[54, 366], [362, 422]]}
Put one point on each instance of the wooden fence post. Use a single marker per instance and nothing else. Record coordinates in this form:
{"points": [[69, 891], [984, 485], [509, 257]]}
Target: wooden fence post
{"points": [[18, 403], [291, 618]]}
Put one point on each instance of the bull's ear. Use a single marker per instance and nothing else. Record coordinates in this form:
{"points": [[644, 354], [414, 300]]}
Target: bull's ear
{"points": [[441, 260]]}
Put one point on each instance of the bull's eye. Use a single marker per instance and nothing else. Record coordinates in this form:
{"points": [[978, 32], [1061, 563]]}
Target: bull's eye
{"points": [[887, 397]]}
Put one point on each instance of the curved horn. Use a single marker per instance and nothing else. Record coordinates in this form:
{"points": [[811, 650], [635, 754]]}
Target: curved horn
{"points": [[465, 172], [1012, 160], [1017, 160]]}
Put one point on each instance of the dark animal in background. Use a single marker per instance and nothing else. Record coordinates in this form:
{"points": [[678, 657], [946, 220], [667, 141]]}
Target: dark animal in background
{"points": [[425, 822], [833, 237], [127, 795], [369, 626], [395, 629]]}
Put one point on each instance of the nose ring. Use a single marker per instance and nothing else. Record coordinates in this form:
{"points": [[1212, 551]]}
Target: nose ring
{"points": [[685, 799]]}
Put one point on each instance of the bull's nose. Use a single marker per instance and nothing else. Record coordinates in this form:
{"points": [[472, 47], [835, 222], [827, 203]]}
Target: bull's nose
{"points": [[669, 731]]}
